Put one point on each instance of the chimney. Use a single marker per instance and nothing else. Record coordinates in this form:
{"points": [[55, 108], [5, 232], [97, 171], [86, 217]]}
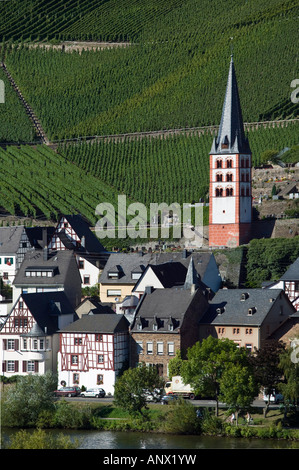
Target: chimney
{"points": [[83, 241], [45, 253], [184, 254], [148, 289], [45, 237]]}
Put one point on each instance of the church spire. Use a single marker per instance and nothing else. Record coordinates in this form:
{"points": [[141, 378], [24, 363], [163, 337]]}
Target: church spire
{"points": [[231, 137], [191, 276]]}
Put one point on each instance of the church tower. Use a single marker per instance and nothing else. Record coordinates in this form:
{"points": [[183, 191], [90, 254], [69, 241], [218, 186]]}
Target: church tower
{"points": [[230, 198]]}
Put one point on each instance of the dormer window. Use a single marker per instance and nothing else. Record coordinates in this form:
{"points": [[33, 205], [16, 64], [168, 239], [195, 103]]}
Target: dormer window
{"points": [[251, 310], [244, 296], [136, 275], [113, 275], [220, 310]]}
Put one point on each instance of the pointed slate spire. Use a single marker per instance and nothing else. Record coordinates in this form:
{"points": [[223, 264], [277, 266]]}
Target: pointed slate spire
{"points": [[231, 137], [191, 276]]}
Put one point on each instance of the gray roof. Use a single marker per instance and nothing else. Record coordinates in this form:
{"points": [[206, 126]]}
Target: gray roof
{"points": [[126, 263], [45, 308], [163, 306], [231, 129], [102, 323], [63, 263], [10, 238], [228, 308], [292, 274]]}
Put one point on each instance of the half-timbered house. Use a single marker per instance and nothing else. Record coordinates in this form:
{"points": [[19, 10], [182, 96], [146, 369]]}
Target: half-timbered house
{"points": [[29, 339], [289, 282], [93, 350], [73, 233]]}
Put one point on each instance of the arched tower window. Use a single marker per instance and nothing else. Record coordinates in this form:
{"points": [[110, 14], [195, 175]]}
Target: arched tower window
{"points": [[219, 177], [219, 192], [229, 163], [229, 191], [218, 163], [229, 177]]}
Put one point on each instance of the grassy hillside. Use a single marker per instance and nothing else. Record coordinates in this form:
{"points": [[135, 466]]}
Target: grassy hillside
{"points": [[173, 76]]}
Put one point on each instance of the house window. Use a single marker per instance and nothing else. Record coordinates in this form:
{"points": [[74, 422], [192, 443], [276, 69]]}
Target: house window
{"points": [[35, 344], [100, 358], [11, 344], [81, 264], [236, 331], [219, 192], [30, 366], [160, 348], [219, 177], [8, 261], [5, 276], [74, 359], [296, 286], [113, 275], [248, 331], [248, 347], [221, 331], [86, 279], [113, 293], [100, 379], [99, 337], [139, 347], [78, 341], [229, 164], [149, 347], [219, 163], [24, 343], [170, 349], [75, 378], [10, 366], [136, 276], [41, 344]]}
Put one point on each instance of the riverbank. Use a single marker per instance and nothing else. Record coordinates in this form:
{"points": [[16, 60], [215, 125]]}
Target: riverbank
{"points": [[180, 420]]}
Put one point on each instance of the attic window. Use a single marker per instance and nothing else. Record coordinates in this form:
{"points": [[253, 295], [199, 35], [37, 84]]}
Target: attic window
{"points": [[135, 275], [244, 296], [113, 275], [220, 310], [251, 310], [40, 272]]}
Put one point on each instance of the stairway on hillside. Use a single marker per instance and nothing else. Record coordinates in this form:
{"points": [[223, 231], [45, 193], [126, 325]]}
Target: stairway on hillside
{"points": [[36, 123]]}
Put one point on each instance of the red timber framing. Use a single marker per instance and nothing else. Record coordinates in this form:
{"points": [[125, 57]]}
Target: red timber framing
{"points": [[291, 288], [82, 352], [63, 226], [20, 320]]}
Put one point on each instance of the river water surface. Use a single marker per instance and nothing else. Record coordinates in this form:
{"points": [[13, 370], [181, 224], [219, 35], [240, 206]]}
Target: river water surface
{"points": [[134, 440]]}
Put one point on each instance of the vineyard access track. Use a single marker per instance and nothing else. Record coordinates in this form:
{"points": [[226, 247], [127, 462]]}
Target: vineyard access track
{"points": [[127, 136]]}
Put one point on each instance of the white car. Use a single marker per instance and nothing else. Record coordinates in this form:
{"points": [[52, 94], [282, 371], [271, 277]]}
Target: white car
{"points": [[274, 398], [94, 392]]}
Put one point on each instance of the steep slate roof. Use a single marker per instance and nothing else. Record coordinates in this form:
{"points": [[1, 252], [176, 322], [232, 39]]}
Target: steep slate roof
{"points": [[292, 274], [166, 305], [63, 261], [39, 237], [10, 238], [234, 311], [103, 323], [82, 228], [46, 307], [128, 263], [231, 129]]}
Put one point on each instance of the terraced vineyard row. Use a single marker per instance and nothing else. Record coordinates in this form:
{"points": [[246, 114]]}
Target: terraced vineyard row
{"points": [[167, 169], [175, 75], [38, 182]]}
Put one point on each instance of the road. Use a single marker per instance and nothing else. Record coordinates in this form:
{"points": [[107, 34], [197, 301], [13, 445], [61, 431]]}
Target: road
{"points": [[203, 403]]}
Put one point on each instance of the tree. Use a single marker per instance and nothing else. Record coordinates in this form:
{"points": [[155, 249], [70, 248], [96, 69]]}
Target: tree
{"points": [[175, 364], [288, 363], [266, 368], [206, 363], [130, 388], [31, 395], [238, 387]]}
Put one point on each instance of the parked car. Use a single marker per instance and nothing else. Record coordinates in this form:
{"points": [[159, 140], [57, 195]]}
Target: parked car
{"points": [[93, 392], [154, 396], [68, 392], [274, 398], [168, 398]]}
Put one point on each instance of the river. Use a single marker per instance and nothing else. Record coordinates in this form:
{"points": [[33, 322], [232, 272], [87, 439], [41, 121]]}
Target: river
{"points": [[134, 440]]}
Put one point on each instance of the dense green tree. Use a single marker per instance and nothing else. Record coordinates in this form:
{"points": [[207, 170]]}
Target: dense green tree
{"points": [[289, 364], [238, 387], [27, 398], [130, 387], [266, 369], [206, 362]]}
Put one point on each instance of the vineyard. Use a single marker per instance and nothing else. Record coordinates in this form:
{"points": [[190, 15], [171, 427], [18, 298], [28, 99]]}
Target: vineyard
{"points": [[173, 76], [39, 183]]}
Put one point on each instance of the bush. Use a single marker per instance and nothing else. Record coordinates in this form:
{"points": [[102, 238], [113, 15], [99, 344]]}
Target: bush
{"points": [[211, 424], [68, 418], [39, 439], [181, 419]]}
